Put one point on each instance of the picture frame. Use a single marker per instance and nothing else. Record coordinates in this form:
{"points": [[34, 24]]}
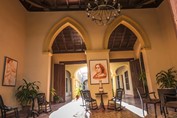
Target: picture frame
{"points": [[99, 71], [10, 72]]}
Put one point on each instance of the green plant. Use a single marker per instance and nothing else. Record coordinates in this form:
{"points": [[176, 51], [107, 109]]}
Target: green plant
{"points": [[53, 91], [56, 98], [167, 79], [78, 89], [26, 91], [143, 78]]}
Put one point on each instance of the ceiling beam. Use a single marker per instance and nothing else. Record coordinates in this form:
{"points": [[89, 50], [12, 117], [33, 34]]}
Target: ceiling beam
{"points": [[56, 43], [114, 38], [67, 3], [72, 38], [64, 40], [35, 4], [123, 36], [128, 41]]}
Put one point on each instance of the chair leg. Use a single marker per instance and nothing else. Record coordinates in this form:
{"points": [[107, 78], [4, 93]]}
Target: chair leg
{"points": [[4, 114], [161, 109], [155, 111], [143, 109], [164, 111], [147, 108], [16, 113], [115, 105]]}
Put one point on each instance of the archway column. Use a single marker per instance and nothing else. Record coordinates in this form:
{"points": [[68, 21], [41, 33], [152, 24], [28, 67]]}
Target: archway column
{"points": [[73, 79], [146, 64], [114, 82], [46, 88]]}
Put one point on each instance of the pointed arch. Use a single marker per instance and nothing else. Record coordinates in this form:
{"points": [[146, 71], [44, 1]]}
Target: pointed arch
{"points": [[58, 27], [133, 26]]}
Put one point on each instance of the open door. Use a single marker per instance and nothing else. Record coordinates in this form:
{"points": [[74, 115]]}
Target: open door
{"points": [[135, 73], [59, 79]]}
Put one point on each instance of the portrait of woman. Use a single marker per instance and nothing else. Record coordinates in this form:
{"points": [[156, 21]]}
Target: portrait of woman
{"points": [[10, 72], [100, 72]]}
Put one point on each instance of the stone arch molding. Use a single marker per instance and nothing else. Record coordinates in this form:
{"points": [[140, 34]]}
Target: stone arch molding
{"points": [[69, 74], [58, 27], [133, 26]]}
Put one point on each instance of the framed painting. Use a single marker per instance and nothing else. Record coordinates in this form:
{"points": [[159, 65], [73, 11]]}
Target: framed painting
{"points": [[10, 72], [99, 71]]}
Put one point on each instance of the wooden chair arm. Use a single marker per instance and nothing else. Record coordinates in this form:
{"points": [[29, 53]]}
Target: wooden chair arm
{"points": [[143, 95], [153, 93]]}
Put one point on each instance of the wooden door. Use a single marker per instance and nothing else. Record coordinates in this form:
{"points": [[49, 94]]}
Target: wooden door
{"points": [[59, 79], [135, 73]]}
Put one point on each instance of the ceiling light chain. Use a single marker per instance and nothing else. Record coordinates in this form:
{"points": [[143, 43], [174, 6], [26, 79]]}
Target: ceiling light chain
{"points": [[103, 11]]}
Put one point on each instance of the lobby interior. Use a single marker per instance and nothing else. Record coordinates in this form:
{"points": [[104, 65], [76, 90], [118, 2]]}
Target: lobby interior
{"points": [[145, 36]]}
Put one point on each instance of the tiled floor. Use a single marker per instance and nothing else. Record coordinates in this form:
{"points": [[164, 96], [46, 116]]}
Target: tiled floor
{"points": [[136, 102], [127, 111]]}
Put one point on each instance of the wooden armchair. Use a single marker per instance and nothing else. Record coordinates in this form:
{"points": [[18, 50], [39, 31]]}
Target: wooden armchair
{"points": [[170, 101], [162, 93], [5, 109], [43, 104], [146, 99], [116, 102], [89, 100]]}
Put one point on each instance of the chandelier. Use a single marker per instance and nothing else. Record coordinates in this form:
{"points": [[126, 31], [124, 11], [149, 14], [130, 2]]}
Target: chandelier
{"points": [[102, 12]]}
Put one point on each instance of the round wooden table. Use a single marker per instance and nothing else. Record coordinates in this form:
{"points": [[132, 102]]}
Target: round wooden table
{"points": [[101, 99]]}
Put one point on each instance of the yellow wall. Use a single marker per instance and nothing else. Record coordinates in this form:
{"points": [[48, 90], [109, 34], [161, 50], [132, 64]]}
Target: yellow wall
{"points": [[68, 57], [12, 43], [163, 39], [122, 54]]}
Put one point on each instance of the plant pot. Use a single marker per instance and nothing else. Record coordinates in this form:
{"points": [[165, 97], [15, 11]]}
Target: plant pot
{"points": [[77, 97], [165, 91], [26, 109]]}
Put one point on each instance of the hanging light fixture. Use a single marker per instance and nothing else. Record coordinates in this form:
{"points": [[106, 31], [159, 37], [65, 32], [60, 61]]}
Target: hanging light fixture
{"points": [[102, 12]]}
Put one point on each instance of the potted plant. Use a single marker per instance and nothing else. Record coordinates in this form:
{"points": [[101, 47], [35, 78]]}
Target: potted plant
{"points": [[56, 98], [143, 78], [78, 89], [167, 79], [26, 91], [167, 83]]}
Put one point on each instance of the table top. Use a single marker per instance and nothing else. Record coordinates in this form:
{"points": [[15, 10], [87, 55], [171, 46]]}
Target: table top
{"points": [[101, 93]]}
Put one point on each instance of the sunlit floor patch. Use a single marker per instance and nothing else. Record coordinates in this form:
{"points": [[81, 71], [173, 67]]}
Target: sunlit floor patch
{"points": [[134, 109]]}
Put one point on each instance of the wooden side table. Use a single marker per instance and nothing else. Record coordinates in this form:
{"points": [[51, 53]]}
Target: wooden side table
{"points": [[101, 99]]}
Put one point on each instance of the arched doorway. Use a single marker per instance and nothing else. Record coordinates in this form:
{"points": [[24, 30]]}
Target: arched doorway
{"points": [[68, 94], [82, 75]]}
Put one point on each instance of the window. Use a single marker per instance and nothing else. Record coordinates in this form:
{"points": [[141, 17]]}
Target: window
{"points": [[127, 80], [66, 84], [118, 81]]}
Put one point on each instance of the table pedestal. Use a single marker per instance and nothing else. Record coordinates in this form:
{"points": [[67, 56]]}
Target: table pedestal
{"points": [[101, 99]]}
